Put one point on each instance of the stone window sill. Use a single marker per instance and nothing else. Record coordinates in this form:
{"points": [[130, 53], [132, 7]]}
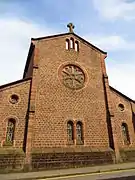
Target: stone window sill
{"points": [[79, 143], [70, 142], [7, 144]]}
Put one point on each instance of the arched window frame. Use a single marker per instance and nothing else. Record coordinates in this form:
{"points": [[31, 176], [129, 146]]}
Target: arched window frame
{"points": [[67, 44], [72, 43], [76, 46], [10, 132], [125, 133], [79, 132], [70, 131]]}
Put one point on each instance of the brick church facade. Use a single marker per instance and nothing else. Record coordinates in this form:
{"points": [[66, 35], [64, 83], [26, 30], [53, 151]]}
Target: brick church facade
{"points": [[63, 113]]}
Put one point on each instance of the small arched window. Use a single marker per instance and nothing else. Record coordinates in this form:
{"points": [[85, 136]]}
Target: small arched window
{"points": [[125, 134], [10, 131], [79, 131], [67, 44], [70, 131], [76, 46], [72, 43]]}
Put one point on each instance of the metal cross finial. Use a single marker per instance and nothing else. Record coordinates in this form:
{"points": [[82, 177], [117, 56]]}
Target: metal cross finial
{"points": [[71, 27]]}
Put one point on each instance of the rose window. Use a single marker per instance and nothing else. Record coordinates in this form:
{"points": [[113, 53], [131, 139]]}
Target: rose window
{"points": [[73, 77]]}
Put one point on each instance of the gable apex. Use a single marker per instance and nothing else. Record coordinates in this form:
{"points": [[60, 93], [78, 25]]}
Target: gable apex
{"points": [[70, 33]]}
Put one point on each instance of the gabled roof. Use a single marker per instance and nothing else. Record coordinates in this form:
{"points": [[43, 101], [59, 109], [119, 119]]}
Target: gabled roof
{"points": [[15, 82], [64, 34], [31, 49], [32, 46], [126, 97]]}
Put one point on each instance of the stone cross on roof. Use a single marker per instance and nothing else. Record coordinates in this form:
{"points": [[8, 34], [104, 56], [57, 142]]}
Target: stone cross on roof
{"points": [[71, 27]]}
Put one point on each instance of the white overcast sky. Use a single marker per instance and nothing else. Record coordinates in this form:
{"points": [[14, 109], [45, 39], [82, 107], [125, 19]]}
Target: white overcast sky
{"points": [[108, 24]]}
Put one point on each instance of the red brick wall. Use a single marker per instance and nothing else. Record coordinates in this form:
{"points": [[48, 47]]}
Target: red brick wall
{"points": [[52, 105], [56, 104], [17, 111], [70, 159], [123, 116]]}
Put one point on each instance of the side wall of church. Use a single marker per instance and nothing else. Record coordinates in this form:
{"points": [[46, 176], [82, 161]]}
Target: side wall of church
{"points": [[124, 115], [11, 155]]}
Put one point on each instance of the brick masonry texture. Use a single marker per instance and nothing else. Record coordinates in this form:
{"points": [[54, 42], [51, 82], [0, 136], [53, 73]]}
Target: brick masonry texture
{"points": [[46, 105], [17, 111], [64, 160], [56, 104], [11, 159], [125, 116]]}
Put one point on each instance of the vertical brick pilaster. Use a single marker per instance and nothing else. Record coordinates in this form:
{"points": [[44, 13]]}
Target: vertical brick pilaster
{"points": [[110, 112], [29, 141], [116, 146], [31, 111]]}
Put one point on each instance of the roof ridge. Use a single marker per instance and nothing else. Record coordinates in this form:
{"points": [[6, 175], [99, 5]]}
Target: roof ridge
{"points": [[15, 82], [63, 34], [122, 94]]}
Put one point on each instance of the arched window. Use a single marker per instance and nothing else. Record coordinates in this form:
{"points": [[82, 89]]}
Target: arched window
{"points": [[10, 131], [72, 43], [76, 46], [125, 134], [67, 44], [70, 130], [79, 132]]}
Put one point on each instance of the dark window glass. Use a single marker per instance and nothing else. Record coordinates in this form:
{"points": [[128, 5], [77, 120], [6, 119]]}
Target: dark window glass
{"points": [[125, 134], [70, 130], [14, 99], [121, 107], [79, 131], [10, 131]]}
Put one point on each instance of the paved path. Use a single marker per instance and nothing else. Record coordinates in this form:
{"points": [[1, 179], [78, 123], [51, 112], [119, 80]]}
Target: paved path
{"points": [[114, 175], [67, 172]]}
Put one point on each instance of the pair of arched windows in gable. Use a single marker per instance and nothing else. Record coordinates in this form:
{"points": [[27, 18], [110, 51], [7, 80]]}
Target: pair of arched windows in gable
{"points": [[75, 130], [71, 44]]}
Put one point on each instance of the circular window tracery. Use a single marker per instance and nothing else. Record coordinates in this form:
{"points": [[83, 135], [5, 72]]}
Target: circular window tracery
{"points": [[14, 98], [73, 76]]}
